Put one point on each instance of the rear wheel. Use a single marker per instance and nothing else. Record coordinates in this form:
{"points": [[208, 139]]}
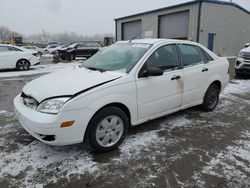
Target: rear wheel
{"points": [[72, 57], [107, 129], [22, 65], [211, 98]]}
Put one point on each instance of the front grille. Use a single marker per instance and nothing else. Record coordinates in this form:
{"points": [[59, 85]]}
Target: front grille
{"points": [[29, 101], [246, 55], [246, 66]]}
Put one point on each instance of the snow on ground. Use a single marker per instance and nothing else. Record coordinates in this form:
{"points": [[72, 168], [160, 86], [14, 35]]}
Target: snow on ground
{"points": [[6, 113], [36, 157], [36, 161], [237, 87], [176, 121], [38, 69], [231, 163]]}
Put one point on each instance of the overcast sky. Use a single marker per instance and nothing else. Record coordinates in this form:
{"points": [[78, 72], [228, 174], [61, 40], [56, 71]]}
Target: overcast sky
{"points": [[85, 17]]}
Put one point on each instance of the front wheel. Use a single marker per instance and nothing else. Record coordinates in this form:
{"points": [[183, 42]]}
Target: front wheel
{"points": [[211, 98], [107, 129], [22, 65]]}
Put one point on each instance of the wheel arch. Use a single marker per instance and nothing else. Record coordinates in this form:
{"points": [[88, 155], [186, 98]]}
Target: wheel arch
{"points": [[122, 106], [214, 81], [23, 59], [218, 83]]}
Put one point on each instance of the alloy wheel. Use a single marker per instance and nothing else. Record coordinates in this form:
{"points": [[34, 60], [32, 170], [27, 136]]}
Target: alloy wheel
{"points": [[109, 131]]}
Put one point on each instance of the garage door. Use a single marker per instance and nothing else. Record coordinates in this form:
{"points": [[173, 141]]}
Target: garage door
{"points": [[131, 29], [175, 26]]}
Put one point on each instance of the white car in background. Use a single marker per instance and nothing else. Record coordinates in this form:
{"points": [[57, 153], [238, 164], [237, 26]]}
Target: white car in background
{"points": [[242, 65], [16, 57], [123, 85], [22, 48], [39, 51], [52, 48]]}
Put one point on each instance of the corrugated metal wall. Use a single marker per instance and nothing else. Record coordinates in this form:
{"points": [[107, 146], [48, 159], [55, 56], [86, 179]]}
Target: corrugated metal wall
{"points": [[174, 25], [230, 25], [131, 30], [150, 22]]}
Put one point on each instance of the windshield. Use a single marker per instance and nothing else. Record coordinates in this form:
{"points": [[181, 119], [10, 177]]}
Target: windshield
{"points": [[72, 45], [120, 57]]}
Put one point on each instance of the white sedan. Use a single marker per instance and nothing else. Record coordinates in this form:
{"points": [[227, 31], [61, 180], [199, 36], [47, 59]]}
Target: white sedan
{"points": [[121, 86], [15, 57]]}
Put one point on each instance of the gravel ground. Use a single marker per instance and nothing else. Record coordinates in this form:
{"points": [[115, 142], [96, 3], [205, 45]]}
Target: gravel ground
{"points": [[186, 149]]}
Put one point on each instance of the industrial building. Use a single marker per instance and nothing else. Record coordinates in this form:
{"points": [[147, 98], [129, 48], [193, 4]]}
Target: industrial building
{"points": [[223, 27]]}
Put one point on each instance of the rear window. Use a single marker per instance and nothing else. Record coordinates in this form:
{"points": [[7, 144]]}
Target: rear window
{"points": [[4, 49], [91, 44], [206, 56]]}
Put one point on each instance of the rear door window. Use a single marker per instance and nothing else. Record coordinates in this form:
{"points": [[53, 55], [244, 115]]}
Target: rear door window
{"points": [[207, 58], [190, 55]]}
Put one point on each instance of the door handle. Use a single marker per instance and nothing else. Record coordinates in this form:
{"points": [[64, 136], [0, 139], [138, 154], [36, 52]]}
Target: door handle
{"points": [[176, 77], [204, 69]]}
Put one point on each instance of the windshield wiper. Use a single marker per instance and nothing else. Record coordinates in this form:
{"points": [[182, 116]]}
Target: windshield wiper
{"points": [[95, 69]]}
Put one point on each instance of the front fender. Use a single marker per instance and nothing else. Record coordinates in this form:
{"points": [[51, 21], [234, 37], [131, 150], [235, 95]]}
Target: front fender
{"points": [[125, 100], [122, 93]]}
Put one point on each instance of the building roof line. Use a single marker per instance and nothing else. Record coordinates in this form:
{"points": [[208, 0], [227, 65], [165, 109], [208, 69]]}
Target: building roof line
{"points": [[186, 4]]}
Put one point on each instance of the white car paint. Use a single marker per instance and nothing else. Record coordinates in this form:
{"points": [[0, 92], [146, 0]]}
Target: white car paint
{"points": [[8, 59], [52, 48], [78, 77], [34, 48], [243, 59], [145, 98]]}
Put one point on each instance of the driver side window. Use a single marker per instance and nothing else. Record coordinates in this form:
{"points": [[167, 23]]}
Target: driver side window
{"points": [[164, 58]]}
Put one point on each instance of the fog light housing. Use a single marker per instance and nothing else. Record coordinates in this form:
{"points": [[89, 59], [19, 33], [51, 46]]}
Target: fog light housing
{"points": [[238, 63]]}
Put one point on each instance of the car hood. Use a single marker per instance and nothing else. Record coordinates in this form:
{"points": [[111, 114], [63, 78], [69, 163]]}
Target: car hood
{"points": [[246, 49], [67, 82]]}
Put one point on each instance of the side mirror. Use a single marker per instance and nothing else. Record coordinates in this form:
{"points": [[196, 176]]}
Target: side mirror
{"points": [[151, 71], [247, 45]]}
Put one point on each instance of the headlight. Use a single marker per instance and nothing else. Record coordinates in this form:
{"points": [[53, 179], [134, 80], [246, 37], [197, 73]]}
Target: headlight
{"points": [[52, 106], [241, 54]]}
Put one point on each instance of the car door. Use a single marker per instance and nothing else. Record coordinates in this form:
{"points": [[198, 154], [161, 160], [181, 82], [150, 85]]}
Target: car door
{"points": [[195, 73], [160, 95], [80, 50], [7, 57], [93, 48]]}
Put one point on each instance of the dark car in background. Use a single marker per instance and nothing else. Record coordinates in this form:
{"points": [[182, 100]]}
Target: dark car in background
{"points": [[81, 49]]}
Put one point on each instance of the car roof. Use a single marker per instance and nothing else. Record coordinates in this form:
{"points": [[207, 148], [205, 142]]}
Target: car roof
{"points": [[156, 41], [7, 45]]}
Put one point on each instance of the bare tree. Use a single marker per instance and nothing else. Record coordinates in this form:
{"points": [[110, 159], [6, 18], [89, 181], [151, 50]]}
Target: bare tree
{"points": [[64, 38], [45, 37], [6, 33]]}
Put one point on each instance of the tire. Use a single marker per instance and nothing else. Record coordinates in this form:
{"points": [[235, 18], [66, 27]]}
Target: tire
{"points": [[69, 57], [23, 65], [72, 57], [103, 135], [211, 98]]}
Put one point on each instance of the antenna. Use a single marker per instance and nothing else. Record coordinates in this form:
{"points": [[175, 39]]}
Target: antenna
{"points": [[141, 32]]}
